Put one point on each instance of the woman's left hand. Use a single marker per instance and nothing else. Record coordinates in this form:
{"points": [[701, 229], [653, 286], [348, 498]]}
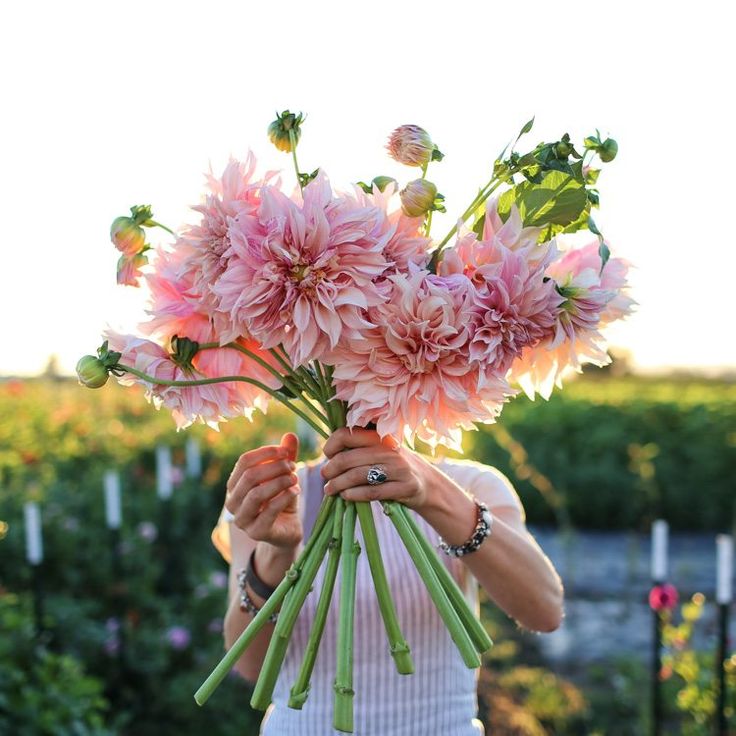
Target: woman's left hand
{"points": [[351, 453]]}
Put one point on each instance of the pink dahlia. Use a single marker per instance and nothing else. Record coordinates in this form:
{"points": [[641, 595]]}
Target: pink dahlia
{"points": [[129, 269], [187, 404], [575, 338], [409, 374], [406, 243], [234, 194], [302, 276], [175, 309]]}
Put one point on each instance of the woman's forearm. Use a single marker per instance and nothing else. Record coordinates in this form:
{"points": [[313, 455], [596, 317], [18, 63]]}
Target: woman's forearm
{"points": [[271, 564], [509, 565]]}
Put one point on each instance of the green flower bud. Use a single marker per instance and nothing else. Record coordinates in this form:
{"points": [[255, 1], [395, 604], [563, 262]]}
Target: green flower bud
{"points": [[91, 372], [383, 181], [563, 149], [127, 236], [418, 197], [608, 150], [286, 126]]}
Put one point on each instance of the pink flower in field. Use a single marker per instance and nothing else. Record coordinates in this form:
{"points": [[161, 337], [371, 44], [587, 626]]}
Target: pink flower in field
{"points": [[406, 244], [663, 597], [575, 338], [129, 269], [178, 637], [234, 194], [410, 373], [302, 276]]}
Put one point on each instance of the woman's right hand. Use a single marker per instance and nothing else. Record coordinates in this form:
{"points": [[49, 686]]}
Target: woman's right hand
{"points": [[262, 494]]}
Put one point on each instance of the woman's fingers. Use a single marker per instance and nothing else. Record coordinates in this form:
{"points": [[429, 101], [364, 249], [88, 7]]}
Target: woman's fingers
{"points": [[352, 438], [252, 476], [254, 457], [263, 525], [388, 491], [258, 500], [354, 477], [349, 459]]}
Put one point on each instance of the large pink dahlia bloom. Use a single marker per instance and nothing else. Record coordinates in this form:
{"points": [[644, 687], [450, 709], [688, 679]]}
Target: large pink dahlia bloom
{"points": [[591, 298], [514, 306], [302, 276], [409, 374], [235, 194]]}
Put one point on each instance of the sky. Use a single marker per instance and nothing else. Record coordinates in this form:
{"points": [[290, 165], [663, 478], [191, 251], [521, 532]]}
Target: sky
{"points": [[107, 105]]}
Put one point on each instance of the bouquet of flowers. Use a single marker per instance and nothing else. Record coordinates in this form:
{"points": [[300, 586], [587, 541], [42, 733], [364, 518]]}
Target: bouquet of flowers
{"points": [[341, 306]]}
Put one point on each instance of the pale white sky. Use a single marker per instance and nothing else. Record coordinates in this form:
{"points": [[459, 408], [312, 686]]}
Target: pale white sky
{"points": [[109, 105]]}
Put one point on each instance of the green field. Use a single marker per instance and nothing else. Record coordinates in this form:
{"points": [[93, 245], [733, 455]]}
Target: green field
{"points": [[128, 639]]}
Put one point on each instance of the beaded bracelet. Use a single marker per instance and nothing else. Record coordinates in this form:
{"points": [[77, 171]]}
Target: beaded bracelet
{"points": [[246, 602], [483, 527]]}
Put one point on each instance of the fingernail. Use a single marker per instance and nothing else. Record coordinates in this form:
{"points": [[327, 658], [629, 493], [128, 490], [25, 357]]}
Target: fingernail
{"points": [[292, 465], [327, 488]]}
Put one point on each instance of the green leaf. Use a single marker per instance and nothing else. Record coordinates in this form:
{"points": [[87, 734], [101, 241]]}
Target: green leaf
{"points": [[593, 227], [591, 177], [527, 127], [478, 226], [604, 252], [558, 199]]}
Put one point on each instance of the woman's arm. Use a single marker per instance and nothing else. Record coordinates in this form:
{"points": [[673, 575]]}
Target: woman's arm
{"points": [[509, 564], [261, 494]]}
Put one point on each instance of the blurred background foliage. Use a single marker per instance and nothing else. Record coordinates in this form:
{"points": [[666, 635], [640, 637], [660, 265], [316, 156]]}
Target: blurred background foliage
{"points": [[132, 624]]}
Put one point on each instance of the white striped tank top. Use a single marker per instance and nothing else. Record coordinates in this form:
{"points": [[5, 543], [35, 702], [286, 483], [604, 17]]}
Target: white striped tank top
{"points": [[440, 698]]}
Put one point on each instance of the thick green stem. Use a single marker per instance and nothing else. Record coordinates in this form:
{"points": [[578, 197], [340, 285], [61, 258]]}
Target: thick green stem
{"points": [[245, 639], [445, 608], [398, 646], [287, 618], [344, 693], [478, 634], [225, 379], [300, 690], [269, 607]]}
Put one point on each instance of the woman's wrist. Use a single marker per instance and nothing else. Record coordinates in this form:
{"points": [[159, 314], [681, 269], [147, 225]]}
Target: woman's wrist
{"points": [[447, 508], [271, 563]]}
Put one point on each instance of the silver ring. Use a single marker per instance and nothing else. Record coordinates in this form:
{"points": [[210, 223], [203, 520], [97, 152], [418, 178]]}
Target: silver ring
{"points": [[376, 475]]}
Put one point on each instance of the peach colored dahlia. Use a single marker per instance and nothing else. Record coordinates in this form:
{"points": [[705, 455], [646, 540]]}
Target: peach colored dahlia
{"points": [[302, 276]]}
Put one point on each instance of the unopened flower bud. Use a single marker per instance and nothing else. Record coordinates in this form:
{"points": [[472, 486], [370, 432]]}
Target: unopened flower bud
{"points": [[608, 150], [412, 146], [563, 149], [129, 269], [127, 236], [418, 197], [91, 372], [383, 181], [286, 126]]}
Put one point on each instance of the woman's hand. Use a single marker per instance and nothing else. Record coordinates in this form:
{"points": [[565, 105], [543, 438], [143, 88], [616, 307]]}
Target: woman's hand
{"points": [[352, 453], [262, 494]]}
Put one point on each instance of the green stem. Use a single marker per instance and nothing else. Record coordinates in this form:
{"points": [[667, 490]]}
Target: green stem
{"points": [[428, 224], [153, 223], [474, 627], [291, 381], [350, 549], [445, 608], [263, 690], [269, 607], [398, 646], [225, 379], [292, 141], [300, 690]]}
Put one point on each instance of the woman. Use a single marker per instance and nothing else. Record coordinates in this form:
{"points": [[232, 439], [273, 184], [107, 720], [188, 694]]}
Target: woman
{"points": [[271, 504]]}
